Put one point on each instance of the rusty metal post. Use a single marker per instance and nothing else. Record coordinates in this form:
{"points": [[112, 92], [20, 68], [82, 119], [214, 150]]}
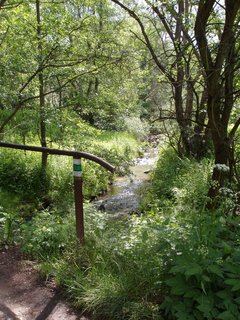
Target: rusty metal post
{"points": [[78, 194]]}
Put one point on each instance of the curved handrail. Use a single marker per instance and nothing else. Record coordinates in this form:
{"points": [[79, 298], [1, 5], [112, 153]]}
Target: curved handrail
{"points": [[72, 153]]}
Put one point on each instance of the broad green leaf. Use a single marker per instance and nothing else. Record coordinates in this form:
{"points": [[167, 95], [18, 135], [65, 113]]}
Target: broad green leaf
{"points": [[237, 300], [216, 270], [235, 283], [193, 269], [178, 285], [236, 286], [226, 315], [177, 268], [223, 294], [192, 293], [205, 305]]}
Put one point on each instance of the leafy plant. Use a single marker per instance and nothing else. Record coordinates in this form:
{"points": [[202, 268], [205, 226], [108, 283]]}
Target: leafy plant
{"points": [[46, 234], [203, 278], [9, 223]]}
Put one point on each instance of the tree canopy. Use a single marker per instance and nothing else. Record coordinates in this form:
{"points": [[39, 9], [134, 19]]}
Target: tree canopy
{"points": [[110, 60]]}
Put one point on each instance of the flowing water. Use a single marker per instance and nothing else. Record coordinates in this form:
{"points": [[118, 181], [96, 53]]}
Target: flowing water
{"points": [[123, 196]]}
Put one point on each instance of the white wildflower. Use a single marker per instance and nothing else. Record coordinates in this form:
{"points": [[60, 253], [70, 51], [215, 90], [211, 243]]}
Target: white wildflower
{"points": [[221, 167], [226, 192]]}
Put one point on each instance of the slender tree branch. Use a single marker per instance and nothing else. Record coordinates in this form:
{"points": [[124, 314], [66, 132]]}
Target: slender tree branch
{"points": [[231, 12], [204, 10], [234, 129], [21, 103], [162, 19], [147, 40]]}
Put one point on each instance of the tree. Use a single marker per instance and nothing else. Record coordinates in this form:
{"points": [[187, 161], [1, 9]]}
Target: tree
{"points": [[42, 111], [209, 61], [81, 55], [220, 65], [173, 51]]}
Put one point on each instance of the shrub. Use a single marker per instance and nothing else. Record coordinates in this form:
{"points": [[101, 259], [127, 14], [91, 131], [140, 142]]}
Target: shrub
{"points": [[21, 175], [47, 234], [178, 183], [136, 127], [203, 278], [117, 275]]}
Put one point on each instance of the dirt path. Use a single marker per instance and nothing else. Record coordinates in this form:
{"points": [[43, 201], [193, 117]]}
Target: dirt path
{"points": [[23, 296]]}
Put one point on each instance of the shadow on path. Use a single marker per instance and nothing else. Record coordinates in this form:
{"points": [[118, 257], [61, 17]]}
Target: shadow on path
{"points": [[43, 315], [49, 307], [7, 312]]}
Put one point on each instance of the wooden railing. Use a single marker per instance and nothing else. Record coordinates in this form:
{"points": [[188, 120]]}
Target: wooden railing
{"points": [[77, 174]]}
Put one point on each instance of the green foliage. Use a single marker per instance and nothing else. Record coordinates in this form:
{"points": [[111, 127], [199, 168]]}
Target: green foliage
{"points": [[118, 272], [90, 68], [21, 174], [127, 268], [6, 226], [181, 182], [176, 262], [46, 234], [137, 127], [203, 279], [201, 273], [11, 217]]}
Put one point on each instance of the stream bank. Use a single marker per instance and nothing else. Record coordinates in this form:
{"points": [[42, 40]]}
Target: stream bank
{"points": [[124, 194]]}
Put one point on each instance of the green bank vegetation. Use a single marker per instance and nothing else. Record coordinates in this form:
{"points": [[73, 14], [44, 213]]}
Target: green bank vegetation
{"points": [[101, 76], [174, 261]]}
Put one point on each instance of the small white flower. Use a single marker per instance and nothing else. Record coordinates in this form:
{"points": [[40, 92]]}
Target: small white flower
{"points": [[226, 192], [221, 167]]}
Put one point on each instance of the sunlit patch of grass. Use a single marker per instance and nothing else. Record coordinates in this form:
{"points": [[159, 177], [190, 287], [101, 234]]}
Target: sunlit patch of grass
{"points": [[119, 141]]}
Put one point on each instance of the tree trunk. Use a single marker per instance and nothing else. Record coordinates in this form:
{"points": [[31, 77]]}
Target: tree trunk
{"points": [[43, 139], [221, 149], [182, 123]]}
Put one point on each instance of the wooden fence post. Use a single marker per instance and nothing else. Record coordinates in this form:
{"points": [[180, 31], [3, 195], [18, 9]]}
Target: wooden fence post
{"points": [[78, 195]]}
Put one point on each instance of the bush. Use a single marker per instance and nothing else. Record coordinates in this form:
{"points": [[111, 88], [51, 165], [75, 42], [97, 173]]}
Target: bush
{"points": [[150, 267], [203, 278], [137, 128], [21, 174], [179, 263], [47, 234], [178, 183], [175, 262], [117, 275]]}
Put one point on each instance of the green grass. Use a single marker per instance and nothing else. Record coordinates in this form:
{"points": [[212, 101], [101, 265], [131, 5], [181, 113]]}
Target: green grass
{"points": [[20, 172], [177, 261], [143, 267], [121, 140]]}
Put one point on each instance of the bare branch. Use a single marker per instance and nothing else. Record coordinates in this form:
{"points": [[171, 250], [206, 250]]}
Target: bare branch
{"points": [[234, 129], [147, 40], [204, 10], [21, 102]]}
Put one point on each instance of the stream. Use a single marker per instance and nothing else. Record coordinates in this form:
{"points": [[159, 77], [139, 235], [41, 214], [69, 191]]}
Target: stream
{"points": [[123, 196]]}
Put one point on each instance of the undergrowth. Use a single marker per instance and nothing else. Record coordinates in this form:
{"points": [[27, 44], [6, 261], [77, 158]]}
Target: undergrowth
{"points": [[21, 175], [175, 262]]}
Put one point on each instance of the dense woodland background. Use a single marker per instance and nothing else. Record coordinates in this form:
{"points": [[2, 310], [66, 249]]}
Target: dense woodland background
{"points": [[105, 77]]}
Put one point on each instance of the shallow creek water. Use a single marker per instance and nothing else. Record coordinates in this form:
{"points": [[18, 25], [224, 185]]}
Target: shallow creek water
{"points": [[123, 196]]}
